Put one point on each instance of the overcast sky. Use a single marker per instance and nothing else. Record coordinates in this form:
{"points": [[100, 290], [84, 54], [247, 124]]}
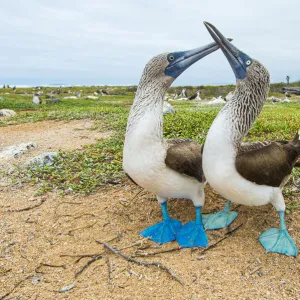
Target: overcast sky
{"points": [[110, 41]]}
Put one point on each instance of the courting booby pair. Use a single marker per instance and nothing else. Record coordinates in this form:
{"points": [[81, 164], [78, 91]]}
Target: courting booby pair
{"points": [[174, 168]]}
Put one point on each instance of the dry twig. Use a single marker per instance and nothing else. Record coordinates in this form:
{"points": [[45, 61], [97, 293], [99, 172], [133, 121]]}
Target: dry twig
{"points": [[27, 208], [141, 262], [87, 264], [227, 235], [140, 253]]}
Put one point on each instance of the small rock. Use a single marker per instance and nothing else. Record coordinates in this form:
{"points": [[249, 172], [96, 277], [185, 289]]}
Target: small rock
{"points": [[46, 158], [68, 191], [16, 150], [36, 279], [67, 288], [7, 113]]}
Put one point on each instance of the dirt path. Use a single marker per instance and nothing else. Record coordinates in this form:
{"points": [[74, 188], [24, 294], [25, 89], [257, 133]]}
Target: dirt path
{"points": [[32, 243], [49, 136]]}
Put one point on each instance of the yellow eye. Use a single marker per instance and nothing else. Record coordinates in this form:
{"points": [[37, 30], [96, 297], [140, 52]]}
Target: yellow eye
{"points": [[171, 57], [248, 62]]}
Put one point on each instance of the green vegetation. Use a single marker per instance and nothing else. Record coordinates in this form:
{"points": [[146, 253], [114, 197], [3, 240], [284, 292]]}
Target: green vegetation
{"points": [[101, 163]]}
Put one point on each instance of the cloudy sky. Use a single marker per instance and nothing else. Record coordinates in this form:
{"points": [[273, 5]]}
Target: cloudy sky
{"points": [[109, 41]]}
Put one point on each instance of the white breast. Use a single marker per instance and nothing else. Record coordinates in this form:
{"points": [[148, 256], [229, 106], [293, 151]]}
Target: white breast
{"points": [[219, 168]]}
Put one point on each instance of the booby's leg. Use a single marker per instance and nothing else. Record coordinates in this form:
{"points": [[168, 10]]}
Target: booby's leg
{"points": [[164, 231], [221, 219], [192, 234], [279, 240]]}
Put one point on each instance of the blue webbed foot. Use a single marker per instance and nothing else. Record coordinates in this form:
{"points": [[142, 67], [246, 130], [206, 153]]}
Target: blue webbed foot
{"points": [[279, 241], [163, 232], [219, 220], [191, 235]]}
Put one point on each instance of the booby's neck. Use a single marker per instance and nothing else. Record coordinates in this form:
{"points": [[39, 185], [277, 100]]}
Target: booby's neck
{"points": [[237, 116], [145, 120]]}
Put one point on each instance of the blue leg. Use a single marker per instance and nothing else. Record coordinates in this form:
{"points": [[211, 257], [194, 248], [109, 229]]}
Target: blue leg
{"points": [[192, 234], [221, 219], [279, 240], [164, 231]]}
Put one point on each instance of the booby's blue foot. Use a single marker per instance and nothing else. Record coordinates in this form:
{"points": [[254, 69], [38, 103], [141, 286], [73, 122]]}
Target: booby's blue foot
{"points": [[164, 231], [279, 240], [192, 234], [221, 219]]}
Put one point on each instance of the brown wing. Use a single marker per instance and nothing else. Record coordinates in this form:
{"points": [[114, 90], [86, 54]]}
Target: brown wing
{"points": [[267, 165], [184, 156]]}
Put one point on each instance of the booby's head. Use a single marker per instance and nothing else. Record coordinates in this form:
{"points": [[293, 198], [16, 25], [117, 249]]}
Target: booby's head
{"points": [[246, 69], [167, 67]]}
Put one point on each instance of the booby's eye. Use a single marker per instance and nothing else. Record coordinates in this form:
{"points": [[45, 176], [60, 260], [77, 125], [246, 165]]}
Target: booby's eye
{"points": [[171, 57], [248, 62]]}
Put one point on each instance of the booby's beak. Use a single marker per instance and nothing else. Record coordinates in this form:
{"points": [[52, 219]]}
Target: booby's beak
{"points": [[238, 60], [180, 61]]}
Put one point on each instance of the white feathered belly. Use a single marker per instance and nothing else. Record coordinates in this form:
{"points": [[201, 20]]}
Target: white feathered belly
{"points": [[148, 169], [220, 172]]}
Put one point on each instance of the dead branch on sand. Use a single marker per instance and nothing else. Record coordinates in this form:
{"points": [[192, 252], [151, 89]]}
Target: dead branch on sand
{"points": [[87, 264], [27, 208], [141, 262]]}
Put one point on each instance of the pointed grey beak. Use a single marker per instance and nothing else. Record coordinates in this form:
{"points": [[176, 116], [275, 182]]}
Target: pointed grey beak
{"points": [[185, 59], [237, 59]]}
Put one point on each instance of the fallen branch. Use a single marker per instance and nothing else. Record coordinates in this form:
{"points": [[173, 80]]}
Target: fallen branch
{"points": [[143, 254], [135, 243], [80, 256], [27, 208], [84, 227], [109, 270], [227, 235], [140, 262], [87, 264], [48, 265]]}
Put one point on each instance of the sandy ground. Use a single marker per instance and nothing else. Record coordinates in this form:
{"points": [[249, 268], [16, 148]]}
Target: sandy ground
{"points": [[50, 135], [41, 236], [33, 242]]}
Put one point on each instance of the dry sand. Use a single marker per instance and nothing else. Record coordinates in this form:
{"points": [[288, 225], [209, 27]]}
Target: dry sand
{"points": [[34, 242]]}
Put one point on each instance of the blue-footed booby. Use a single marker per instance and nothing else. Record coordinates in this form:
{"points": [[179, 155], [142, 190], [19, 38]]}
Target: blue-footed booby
{"points": [[167, 168], [248, 173]]}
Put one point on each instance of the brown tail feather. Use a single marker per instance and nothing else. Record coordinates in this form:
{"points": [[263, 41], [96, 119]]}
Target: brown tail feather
{"points": [[297, 164]]}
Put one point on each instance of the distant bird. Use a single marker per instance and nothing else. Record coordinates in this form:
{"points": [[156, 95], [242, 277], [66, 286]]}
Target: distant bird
{"points": [[78, 94], [36, 99], [286, 100], [195, 96], [103, 92], [219, 100], [91, 97], [183, 94], [248, 173], [168, 108], [14, 89], [167, 168], [287, 94], [175, 96], [52, 101]]}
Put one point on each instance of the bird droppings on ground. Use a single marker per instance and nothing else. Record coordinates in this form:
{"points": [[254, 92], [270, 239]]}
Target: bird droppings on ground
{"points": [[49, 249]]}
